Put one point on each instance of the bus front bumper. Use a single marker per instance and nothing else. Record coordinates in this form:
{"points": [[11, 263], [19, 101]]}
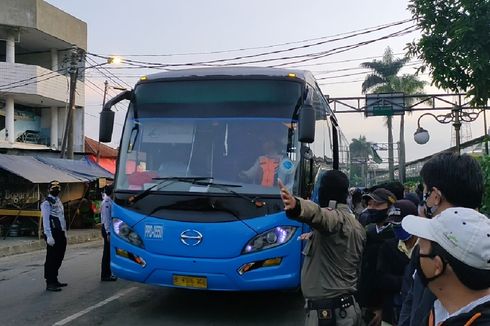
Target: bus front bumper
{"points": [[272, 269]]}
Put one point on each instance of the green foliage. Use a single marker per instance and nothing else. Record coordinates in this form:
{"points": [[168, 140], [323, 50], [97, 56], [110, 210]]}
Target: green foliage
{"points": [[455, 44], [485, 165]]}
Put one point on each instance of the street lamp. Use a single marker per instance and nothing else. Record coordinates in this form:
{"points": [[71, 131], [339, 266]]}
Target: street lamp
{"points": [[421, 136]]}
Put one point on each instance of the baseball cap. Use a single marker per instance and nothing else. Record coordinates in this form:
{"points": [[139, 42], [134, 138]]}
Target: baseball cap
{"points": [[381, 195], [463, 232], [400, 209]]}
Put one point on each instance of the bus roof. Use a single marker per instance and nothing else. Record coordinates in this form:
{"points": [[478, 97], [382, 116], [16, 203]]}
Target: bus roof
{"points": [[233, 71]]}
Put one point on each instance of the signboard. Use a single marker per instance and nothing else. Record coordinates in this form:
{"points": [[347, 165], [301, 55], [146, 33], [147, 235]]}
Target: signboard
{"points": [[385, 104]]}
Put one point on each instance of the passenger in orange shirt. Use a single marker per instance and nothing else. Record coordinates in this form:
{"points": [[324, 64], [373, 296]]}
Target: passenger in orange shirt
{"points": [[264, 170]]}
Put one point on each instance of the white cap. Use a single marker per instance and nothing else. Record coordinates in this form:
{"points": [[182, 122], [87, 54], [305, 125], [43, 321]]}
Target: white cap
{"points": [[463, 232]]}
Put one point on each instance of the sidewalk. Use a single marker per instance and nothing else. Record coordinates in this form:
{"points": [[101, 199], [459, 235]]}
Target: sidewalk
{"points": [[19, 245]]}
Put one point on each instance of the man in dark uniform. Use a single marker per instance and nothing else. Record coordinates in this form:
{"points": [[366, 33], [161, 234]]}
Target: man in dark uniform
{"points": [[333, 252], [54, 225]]}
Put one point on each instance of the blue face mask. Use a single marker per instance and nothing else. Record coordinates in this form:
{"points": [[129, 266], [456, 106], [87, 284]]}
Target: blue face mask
{"points": [[400, 233]]}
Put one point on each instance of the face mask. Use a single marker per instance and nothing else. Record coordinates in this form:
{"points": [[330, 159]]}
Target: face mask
{"points": [[54, 192], [371, 215], [424, 279], [400, 233], [429, 210]]}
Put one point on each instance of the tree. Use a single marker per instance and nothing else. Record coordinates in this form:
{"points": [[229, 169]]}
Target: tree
{"points": [[384, 79], [455, 44]]}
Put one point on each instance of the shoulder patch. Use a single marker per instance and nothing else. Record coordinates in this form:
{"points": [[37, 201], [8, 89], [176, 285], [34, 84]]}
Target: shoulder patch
{"points": [[51, 200]]}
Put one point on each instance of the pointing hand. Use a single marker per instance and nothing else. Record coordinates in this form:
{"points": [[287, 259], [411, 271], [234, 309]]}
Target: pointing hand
{"points": [[288, 199]]}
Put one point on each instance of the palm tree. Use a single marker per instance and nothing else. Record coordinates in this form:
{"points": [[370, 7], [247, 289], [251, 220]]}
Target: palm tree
{"points": [[384, 79]]}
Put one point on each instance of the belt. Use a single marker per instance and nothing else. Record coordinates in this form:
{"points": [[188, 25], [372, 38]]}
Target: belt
{"points": [[343, 302]]}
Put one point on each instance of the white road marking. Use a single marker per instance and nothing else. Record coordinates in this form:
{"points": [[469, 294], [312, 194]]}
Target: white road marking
{"points": [[95, 306]]}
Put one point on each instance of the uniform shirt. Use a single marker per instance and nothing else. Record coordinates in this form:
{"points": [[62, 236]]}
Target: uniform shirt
{"points": [[56, 209], [106, 213], [333, 252]]}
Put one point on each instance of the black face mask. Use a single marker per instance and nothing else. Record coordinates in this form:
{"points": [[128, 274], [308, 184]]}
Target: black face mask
{"points": [[54, 192], [424, 279], [371, 215]]}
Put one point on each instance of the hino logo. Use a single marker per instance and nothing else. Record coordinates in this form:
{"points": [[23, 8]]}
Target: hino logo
{"points": [[191, 237]]}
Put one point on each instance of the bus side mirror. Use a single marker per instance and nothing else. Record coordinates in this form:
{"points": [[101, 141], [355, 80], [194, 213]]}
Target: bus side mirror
{"points": [[105, 126], [306, 130]]}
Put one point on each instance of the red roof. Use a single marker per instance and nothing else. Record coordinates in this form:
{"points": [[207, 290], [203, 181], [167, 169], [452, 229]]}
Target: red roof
{"points": [[92, 145]]}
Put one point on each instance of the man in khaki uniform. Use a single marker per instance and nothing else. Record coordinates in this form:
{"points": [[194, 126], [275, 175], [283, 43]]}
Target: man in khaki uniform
{"points": [[333, 252]]}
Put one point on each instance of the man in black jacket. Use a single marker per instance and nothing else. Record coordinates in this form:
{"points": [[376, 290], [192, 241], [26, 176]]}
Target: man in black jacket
{"points": [[454, 263]]}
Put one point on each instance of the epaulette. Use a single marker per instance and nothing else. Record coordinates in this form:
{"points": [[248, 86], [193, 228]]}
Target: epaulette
{"points": [[51, 200]]}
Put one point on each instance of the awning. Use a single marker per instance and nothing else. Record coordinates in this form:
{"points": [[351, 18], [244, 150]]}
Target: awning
{"points": [[81, 169], [33, 170]]}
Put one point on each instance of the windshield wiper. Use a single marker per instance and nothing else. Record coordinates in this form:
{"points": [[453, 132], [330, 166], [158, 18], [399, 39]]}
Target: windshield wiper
{"points": [[226, 187], [162, 180]]}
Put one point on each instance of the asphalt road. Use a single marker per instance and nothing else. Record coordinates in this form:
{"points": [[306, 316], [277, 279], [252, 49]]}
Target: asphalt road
{"points": [[87, 301]]}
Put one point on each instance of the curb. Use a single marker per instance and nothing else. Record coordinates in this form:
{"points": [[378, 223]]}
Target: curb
{"points": [[34, 245]]}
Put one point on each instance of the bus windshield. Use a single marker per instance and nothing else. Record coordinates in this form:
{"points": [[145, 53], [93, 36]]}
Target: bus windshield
{"points": [[246, 142]]}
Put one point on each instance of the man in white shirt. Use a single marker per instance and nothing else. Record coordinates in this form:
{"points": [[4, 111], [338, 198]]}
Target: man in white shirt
{"points": [[106, 219], [54, 225]]}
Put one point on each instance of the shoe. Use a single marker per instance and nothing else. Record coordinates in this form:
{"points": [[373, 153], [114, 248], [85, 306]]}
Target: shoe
{"points": [[111, 278], [60, 285], [53, 288]]}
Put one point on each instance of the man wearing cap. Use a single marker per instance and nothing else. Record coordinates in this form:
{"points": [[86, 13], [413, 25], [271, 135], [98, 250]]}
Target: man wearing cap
{"points": [[449, 180], [454, 263], [54, 225], [378, 230], [393, 258], [333, 252]]}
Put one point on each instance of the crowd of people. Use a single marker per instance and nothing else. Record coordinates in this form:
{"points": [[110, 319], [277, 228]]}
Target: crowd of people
{"points": [[377, 256], [382, 256]]}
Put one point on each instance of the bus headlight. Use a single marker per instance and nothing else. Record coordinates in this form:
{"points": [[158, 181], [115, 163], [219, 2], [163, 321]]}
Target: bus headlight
{"points": [[126, 233], [270, 239]]}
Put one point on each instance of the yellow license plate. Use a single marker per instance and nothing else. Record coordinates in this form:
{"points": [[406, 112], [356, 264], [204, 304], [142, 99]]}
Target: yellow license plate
{"points": [[190, 281]]}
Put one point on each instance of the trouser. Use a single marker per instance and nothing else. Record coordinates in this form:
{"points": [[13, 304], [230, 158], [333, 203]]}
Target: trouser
{"points": [[106, 256], [349, 316], [54, 256]]}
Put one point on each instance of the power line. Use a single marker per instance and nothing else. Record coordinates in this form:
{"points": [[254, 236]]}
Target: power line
{"points": [[227, 60], [260, 47]]}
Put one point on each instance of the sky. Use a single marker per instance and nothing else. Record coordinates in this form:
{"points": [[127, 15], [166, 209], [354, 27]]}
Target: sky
{"points": [[197, 27]]}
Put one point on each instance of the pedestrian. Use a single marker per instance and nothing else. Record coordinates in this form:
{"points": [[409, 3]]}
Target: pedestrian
{"points": [[106, 220], [332, 253], [54, 226], [378, 230], [454, 263], [448, 180], [393, 258]]}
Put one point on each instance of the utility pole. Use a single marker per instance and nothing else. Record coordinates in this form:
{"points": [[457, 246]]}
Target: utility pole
{"points": [[106, 84], [67, 144]]}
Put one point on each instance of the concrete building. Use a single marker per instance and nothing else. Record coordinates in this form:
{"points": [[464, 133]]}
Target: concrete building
{"points": [[36, 46]]}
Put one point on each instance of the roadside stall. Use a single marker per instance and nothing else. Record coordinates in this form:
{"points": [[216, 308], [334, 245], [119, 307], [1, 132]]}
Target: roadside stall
{"points": [[23, 185], [81, 209]]}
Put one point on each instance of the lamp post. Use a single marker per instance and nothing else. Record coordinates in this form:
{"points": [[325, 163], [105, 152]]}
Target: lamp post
{"points": [[421, 136]]}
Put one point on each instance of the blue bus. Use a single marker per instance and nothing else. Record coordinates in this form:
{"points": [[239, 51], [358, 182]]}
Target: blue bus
{"points": [[196, 203]]}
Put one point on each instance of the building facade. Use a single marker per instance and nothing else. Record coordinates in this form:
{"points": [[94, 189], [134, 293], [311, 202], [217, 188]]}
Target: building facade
{"points": [[37, 42]]}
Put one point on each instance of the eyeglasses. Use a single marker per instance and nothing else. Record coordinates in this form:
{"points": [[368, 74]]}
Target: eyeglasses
{"points": [[426, 195]]}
